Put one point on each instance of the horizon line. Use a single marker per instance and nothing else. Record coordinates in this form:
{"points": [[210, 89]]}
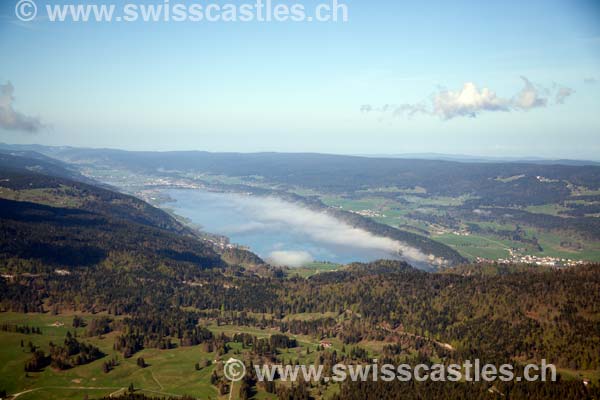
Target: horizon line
{"points": [[457, 157]]}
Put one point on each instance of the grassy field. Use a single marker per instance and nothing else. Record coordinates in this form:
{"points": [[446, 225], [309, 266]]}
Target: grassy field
{"points": [[314, 268], [477, 246], [549, 209], [58, 197], [551, 243], [365, 203], [170, 372], [485, 245]]}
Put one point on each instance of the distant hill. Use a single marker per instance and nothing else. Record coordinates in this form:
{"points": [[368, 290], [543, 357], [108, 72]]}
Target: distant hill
{"points": [[481, 159], [541, 182], [490, 182], [33, 161], [49, 221]]}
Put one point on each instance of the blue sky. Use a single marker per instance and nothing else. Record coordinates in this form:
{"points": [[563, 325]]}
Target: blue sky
{"points": [[391, 80]]}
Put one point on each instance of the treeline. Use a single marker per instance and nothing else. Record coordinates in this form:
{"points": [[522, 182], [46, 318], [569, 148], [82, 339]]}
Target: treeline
{"points": [[527, 314], [264, 346], [68, 355], [587, 227], [152, 329], [397, 390], [24, 329]]}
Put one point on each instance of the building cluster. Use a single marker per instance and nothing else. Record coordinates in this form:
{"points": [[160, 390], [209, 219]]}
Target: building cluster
{"points": [[220, 243], [170, 183], [517, 258], [462, 232], [368, 213]]}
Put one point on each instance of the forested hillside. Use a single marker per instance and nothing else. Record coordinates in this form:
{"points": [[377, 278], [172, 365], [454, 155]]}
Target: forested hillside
{"points": [[51, 222], [146, 281]]}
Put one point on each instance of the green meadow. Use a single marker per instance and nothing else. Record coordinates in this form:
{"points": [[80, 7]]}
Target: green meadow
{"points": [[168, 372]]}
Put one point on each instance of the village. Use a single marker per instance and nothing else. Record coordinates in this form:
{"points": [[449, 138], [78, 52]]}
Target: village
{"points": [[517, 258]]}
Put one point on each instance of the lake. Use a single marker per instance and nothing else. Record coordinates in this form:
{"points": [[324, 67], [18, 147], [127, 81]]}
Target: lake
{"points": [[281, 232]]}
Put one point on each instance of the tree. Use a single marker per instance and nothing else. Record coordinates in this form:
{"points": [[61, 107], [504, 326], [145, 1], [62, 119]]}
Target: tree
{"points": [[78, 322]]}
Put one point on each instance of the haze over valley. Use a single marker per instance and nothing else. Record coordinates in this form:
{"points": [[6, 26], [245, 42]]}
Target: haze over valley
{"points": [[433, 213], [284, 233]]}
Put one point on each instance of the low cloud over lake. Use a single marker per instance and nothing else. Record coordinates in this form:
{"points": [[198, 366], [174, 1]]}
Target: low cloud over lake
{"points": [[269, 213], [286, 233]]}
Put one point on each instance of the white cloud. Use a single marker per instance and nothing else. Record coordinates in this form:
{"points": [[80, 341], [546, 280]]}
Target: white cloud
{"points": [[562, 94], [410, 110], [289, 258], [470, 101], [269, 213], [10, 119], [467, 102], [529, 97]]}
